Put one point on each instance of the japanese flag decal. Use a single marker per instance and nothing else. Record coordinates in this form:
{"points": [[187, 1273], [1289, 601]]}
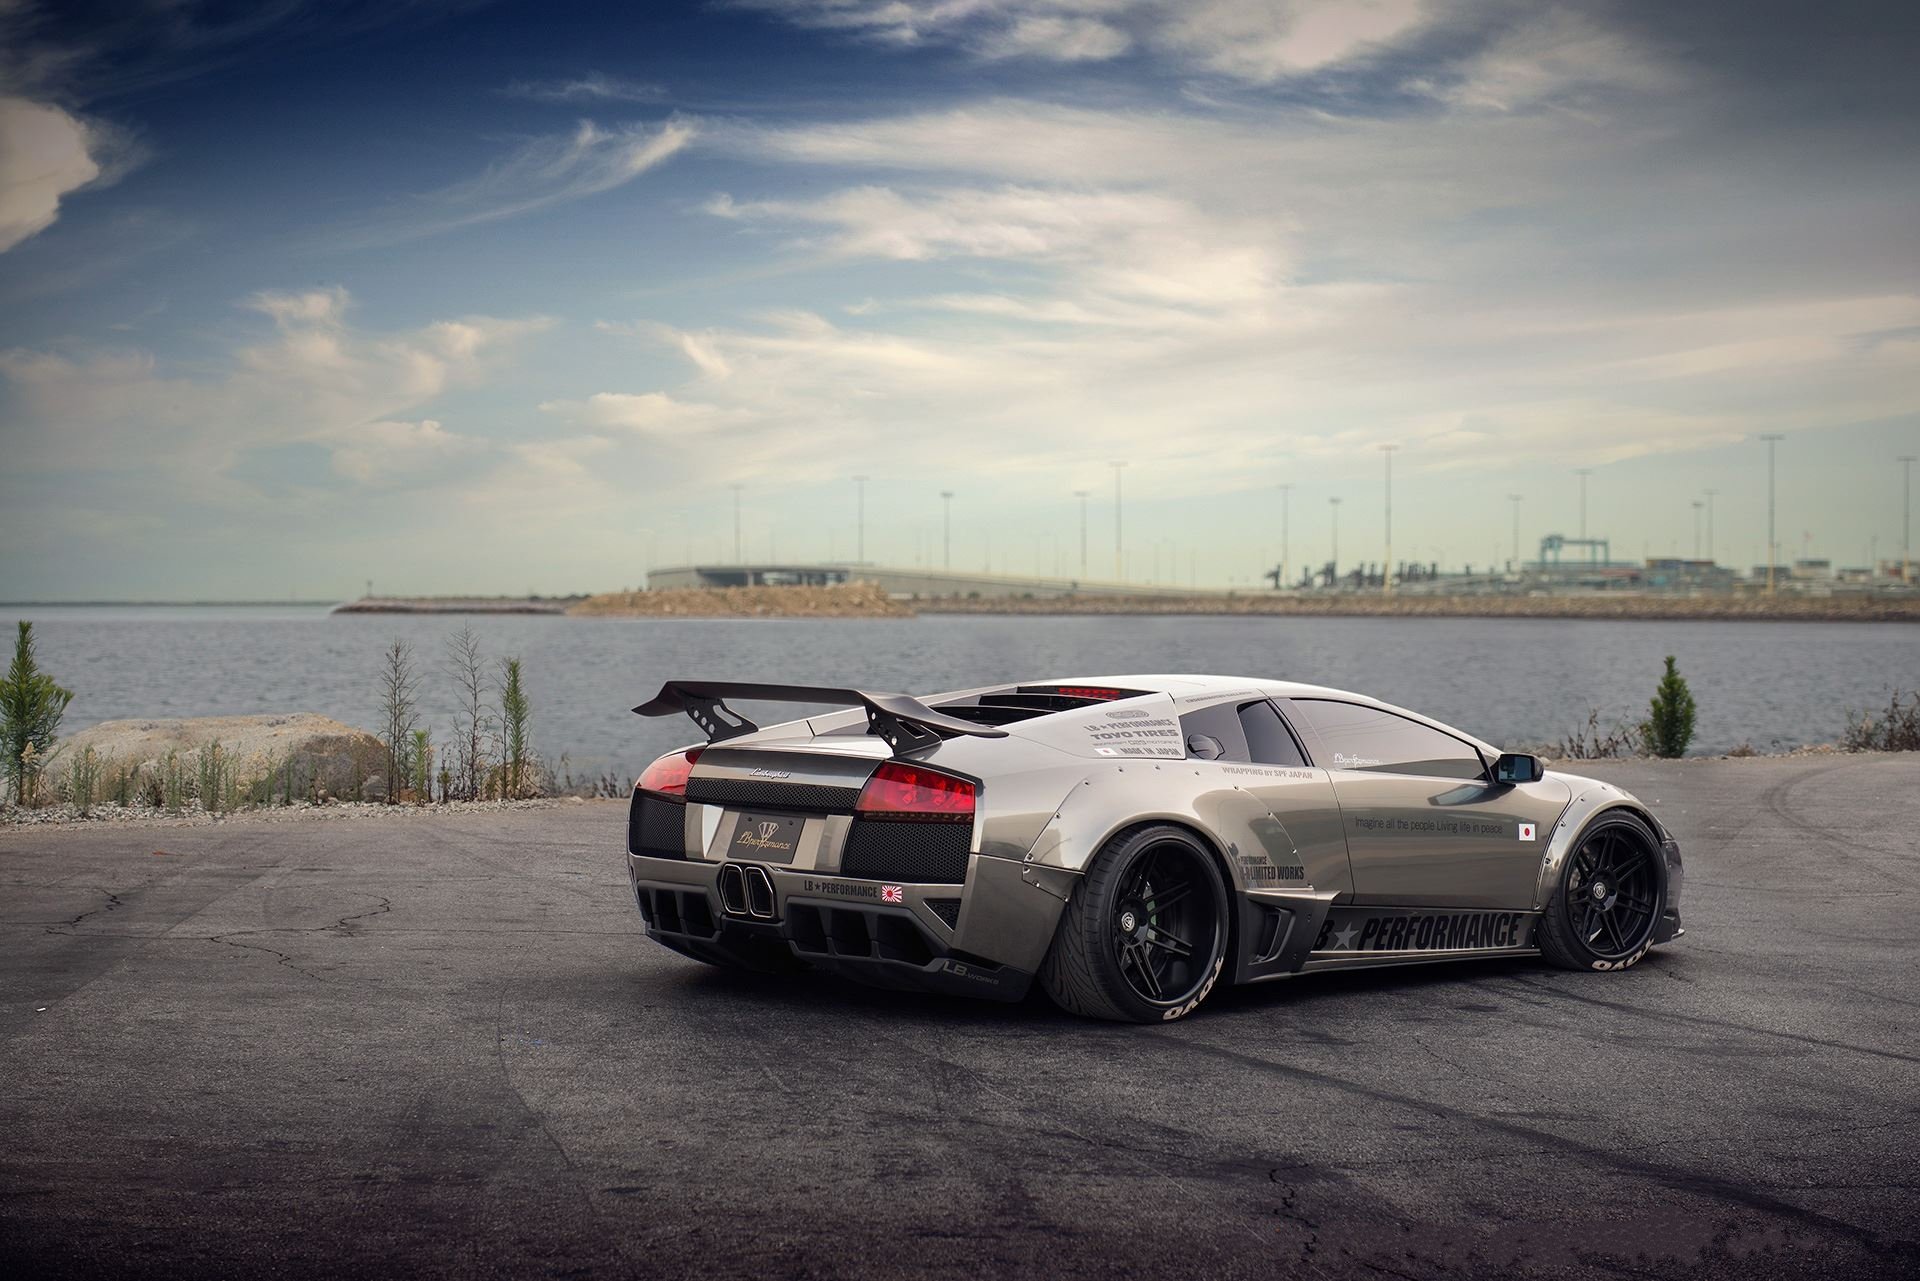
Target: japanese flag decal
{"points": [[1526, 831]]}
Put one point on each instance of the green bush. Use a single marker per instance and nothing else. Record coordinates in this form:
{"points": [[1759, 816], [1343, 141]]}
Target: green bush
{"points": [[516, 714], [83, 781], [1669, 726], [213, 777], [31, 706], [1895, 730]]}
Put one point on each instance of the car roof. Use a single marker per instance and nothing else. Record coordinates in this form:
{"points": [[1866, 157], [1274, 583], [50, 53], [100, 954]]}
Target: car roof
{"points": [[1190, 687]]}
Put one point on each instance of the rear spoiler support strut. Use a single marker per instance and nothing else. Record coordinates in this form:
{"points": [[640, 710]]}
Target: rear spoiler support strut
{"points": [[903, 722]]}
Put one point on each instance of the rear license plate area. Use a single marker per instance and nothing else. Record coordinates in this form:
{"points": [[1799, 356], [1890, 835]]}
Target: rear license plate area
{"points": [[765, 838]]}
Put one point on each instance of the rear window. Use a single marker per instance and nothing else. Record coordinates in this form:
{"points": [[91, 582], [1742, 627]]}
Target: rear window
{"points": [[1246, 731], [1269, 741]]}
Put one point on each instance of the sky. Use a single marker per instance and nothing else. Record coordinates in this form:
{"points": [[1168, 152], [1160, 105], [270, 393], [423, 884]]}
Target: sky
{"points": [[495, 297]]}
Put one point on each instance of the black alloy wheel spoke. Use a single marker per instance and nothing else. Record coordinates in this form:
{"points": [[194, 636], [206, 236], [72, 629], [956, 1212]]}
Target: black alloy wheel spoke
{"points": [[1614, 930], [1168, 943], [1143, 965], [1162, 900]]}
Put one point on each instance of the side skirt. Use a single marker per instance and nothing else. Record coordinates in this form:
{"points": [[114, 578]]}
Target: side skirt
{"points": [[1344, 938]]}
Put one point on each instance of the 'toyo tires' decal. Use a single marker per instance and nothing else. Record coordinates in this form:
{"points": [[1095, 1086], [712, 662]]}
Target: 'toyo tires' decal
{"points": [[1181, 1011]]}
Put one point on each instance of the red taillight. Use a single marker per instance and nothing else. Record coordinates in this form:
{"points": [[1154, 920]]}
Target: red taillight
{"points": [[899, 791], [668, 775], [1093, 692]]}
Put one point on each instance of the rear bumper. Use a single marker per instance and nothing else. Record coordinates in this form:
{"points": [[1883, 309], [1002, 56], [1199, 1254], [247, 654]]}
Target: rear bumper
{"points": [[847, 927]]}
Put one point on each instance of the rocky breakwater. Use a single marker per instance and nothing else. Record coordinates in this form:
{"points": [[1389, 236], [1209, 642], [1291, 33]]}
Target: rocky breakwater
{"points": [[300, 755], [845, 600]]}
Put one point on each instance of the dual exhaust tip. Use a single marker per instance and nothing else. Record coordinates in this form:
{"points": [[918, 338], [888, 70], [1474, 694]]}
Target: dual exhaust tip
{"points": [[746, 891]]}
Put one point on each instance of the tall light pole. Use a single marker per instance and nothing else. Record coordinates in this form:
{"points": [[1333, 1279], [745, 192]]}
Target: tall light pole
{"points": [[1583, 473], [1081, 494], [1515, 500], [860, 520], [1709, 493], [1119, 561], [1334, 505], [1698, 507], [1906, 517], [946, 529], [1772, 439], [736, 487], [1285, 491], [1386, 568]]}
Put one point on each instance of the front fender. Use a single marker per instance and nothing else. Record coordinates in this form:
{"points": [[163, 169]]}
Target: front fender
{"points": [[1592, 798]]}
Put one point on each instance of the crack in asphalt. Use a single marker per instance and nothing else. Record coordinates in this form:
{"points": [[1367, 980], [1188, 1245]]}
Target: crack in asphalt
{"points": [[345, 925], [66, 927], [228, 940]]}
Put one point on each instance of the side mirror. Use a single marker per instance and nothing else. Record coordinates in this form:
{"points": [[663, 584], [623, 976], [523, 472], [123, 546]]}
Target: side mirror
{"points": [[1518, 767]]}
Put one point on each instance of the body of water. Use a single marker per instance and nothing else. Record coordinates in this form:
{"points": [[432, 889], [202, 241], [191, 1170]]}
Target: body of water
{"points": [[1512, 681]]}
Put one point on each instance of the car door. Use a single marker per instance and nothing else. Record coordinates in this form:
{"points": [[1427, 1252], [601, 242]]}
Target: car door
{"points": [[1425, 824], [1277, 812]]}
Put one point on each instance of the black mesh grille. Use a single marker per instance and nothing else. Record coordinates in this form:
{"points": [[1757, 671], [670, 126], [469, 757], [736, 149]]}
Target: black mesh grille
{"points": [[897, 851], [656, 828], [739, 792], [947, 909]]}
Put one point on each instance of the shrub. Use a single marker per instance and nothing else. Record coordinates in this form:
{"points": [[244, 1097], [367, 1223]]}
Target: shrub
{"points": [[1895, 730], [83, 781], [1591, 743], [211, 779], [1669, 725], [173, 784], [31, 706], [516, 714]]}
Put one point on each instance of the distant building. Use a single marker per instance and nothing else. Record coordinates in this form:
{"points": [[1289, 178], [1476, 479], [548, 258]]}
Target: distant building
{"points": [[1673, 572]]}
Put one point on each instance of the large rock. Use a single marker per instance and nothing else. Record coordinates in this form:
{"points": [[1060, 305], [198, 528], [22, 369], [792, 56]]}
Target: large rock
{"points": [[326, 755]]}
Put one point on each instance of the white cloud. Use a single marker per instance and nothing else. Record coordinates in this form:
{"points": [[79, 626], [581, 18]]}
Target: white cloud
{"points": [[593, 86], [1556, 58], [316, 379], [1116, 244], [387, 452], [645, 413], [1255, 41], [45, 154], [1261, 41], [536, 175], [1056, 39]]}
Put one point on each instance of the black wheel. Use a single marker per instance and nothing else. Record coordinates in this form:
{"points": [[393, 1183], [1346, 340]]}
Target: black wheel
{"points": [[1612, 890], [1144, 938]]}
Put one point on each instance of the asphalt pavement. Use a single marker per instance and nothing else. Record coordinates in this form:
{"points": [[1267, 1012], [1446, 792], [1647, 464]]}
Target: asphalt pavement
{"points": [[443, 1046]]}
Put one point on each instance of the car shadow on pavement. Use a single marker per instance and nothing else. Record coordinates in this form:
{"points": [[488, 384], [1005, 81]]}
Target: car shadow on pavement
{"points": [[1321, 993]]}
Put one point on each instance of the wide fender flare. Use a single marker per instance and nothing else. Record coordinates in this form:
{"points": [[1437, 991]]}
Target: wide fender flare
{"points": [[1592, 799], [1133, 794]]}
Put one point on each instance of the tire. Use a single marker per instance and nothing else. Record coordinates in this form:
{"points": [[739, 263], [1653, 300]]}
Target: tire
{"points": [[1613, 887], [1133, 950]]}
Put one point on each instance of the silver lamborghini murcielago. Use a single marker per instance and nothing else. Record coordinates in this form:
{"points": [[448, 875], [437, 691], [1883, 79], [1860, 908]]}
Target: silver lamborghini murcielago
{"points": [[1129, 840]]}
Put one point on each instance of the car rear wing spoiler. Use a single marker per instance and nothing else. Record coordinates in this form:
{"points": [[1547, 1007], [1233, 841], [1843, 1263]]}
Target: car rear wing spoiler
{"points": [[905, 723]]}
